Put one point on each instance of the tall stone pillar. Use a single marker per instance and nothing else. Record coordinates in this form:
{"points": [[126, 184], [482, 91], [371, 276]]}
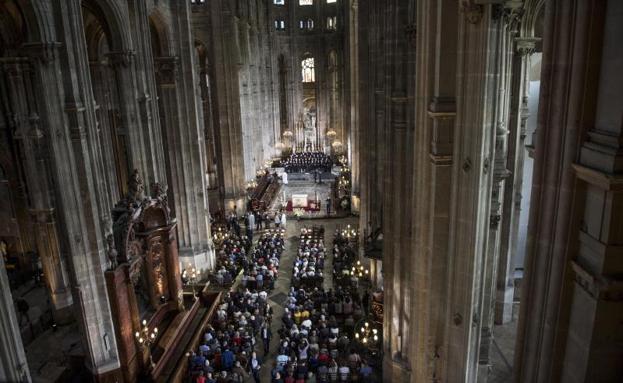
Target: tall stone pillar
{"points": [[181, 116], [594, 345], [215, 201], [145, 92], [511, 208], [13, 363], [563, 323], [226, 105], [31, 138], [354, 144], [398, 206], [68, 110], [505, 21], [471, 188], [436, 45]]}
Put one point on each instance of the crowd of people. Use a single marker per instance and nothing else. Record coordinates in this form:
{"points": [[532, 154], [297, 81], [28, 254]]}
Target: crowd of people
{"points": [[309, 261], [344, 258], [317, 326], [316, 338], [231, 257], [307, 162], [228, 351], [263, 269]]}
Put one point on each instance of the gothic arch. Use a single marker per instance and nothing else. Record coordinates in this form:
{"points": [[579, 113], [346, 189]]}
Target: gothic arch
{"points": [[115, 26], [36, 26], [160, 35], [533, 12]]}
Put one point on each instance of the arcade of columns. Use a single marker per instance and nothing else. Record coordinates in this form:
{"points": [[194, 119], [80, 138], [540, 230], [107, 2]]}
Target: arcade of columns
{"points": [[444, 178], [93, 89], [192, 95]]}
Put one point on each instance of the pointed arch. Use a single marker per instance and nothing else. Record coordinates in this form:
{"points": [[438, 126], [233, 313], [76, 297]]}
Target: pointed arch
{"points": [[160, 34]]}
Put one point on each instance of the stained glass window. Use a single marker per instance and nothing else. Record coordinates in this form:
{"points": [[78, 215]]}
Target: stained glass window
{"points": [[307, 67]]}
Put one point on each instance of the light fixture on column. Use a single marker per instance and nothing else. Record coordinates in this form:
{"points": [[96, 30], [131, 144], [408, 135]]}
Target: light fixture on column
{"points": [[367, 335], [331, 134], [349, 232], [359, 271], [337, 145], [145, 338], [192, 278], [251, 185], [219, 236]]}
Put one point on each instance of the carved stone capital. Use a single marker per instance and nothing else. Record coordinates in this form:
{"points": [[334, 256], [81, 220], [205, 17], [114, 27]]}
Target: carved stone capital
{"points": [[121, 58], [43, 52], [525, 46]]}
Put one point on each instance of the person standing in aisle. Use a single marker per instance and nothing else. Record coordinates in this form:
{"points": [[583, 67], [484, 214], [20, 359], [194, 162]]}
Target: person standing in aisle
{"points": [[283, 219]]}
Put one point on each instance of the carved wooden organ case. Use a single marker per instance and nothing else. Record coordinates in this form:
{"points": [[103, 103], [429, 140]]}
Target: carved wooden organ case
{"points": [[146, 248]]}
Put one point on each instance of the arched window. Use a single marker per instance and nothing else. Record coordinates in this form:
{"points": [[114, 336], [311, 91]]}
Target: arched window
{"points": [[307, 69], [280, 25], [307, 24], [332, 23]]}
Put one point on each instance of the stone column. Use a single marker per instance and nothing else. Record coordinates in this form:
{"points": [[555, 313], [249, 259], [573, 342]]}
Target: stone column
{"points": [[206, 104], [471, 188], [397, 198], [505, 20], [112, 150], [558, 314], [67, 109], [435, 96], [227, 106], [13, 363], [594, 348], [145, 91], [181, 111], [512, 188], [354, 144], [371, 116], [31, 137]]}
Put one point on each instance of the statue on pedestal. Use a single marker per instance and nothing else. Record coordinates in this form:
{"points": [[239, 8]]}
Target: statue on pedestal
{"points": [[111, 252]]}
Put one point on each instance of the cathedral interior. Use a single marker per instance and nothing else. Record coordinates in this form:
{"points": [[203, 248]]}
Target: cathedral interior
{"points": [[283, 191]]}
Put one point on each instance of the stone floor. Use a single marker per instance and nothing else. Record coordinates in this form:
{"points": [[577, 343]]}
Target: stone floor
{"points": [[40, 339], [503, 351]]}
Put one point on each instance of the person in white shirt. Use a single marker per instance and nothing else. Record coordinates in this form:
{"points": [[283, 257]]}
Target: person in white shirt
{"points": [[283, 219], [277, 219]]}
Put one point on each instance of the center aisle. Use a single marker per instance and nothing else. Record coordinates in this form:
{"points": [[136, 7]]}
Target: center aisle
{"points": [[279, 295]]}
